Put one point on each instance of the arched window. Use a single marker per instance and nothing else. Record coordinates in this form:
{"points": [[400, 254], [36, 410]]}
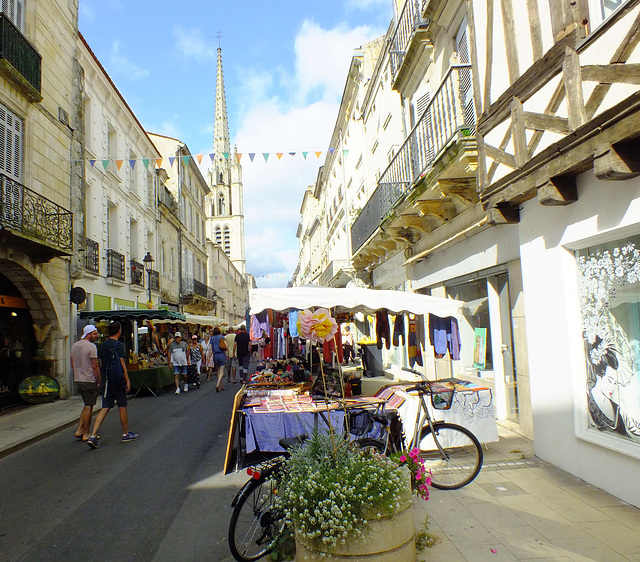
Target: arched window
{"points": [[213, 209], [227, 241], [221, 204], [221, 178], [218, 236]]}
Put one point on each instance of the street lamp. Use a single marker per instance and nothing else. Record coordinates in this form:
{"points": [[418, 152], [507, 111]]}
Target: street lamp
{"points": [[148, 266]]}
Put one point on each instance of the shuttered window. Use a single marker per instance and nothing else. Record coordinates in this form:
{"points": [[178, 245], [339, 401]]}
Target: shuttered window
{"points": [[15, 11], [10, 144]]}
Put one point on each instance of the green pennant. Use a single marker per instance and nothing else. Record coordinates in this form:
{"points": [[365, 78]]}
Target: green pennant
{"points": [[345, 153], [185, 160], [304, 154], [265, 155], [226, 155], [145, 161], [105, 164]]}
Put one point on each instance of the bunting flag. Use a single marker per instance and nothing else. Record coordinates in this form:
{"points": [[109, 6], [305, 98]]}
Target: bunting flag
{"points": [[172, 159], [318, 154], [199, 158], [119, 164], [238, 156], [185, 160], [265, 155], [279, 155], [92, 162], [145, 162], [132, 163], [226, 155], [252, 155], [345, 153], [304, 155], [331, 150], [105, 164], [292, 153], [212, 156]]}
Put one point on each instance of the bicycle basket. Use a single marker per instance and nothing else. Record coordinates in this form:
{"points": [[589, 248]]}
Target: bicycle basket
{"points": [[442, 399]]}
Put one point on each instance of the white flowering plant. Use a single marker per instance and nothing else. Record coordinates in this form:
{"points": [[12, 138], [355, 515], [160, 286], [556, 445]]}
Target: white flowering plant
{"points": [[331, 487]]}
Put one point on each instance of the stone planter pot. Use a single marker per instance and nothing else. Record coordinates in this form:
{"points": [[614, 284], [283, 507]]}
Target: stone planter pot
{"points": [[389, 539]]}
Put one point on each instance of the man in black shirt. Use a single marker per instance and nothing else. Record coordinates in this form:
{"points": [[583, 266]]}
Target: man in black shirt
{"points": [[241, 351]]}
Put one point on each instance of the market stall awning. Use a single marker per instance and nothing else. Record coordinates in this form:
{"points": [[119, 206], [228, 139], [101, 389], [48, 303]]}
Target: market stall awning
{"points": [[133, 314], [202, 320], [351, 299]]}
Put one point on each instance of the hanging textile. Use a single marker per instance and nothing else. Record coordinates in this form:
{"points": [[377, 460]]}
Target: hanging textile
{"points": [[328, 347], [413, 350], [293, 323], [444, 336], [383, 332], [398, 330]]}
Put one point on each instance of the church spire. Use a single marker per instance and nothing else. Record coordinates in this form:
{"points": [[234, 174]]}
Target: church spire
{"points": [[221, 143]]}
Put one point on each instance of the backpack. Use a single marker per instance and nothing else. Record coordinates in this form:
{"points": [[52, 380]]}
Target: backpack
{"points": [[113, 373]]}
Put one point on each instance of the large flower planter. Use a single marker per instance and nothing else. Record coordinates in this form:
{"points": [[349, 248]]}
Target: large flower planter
{"points": [[389, 539]]}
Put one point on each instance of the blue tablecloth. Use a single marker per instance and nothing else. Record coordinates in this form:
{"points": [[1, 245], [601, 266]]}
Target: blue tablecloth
{"points": [[265, 430]]}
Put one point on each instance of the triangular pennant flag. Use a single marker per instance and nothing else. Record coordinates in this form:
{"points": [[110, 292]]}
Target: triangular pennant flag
{"points": [[345, 153], [199, 158], [159, 162], [331, 150], [185, 160], [226, 155], [172, 159], [132, 163], [252, 155], [92, 162], [145, 162], [292, 153], [304, 154], [279, 155], [238, 156], [265, 155], [212, 156], [105, 164], [318, 154], [119, 164]]}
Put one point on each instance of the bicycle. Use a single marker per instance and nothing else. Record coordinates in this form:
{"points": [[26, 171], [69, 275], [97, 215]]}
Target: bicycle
{"points": [[451, 452]]}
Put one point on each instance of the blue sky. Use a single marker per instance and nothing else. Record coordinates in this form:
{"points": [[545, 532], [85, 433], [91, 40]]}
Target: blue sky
{"points": [[285, 64]]}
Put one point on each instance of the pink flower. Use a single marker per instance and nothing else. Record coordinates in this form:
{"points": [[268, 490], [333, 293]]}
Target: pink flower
{"points": [[414, 453], [403, 458], [418, 475], [428, 480]]}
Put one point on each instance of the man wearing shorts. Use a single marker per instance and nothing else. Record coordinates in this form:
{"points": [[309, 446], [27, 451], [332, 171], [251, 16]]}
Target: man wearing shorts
{"points": [[86, 375], [241, 351], [179, 360], [113, 391]]}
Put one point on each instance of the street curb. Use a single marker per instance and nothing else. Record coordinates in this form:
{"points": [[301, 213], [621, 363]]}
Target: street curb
{"points": [[48, 433]]}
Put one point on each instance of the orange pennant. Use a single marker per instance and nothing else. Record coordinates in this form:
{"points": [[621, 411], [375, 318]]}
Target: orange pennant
{"points": [[199, 158], [318, 154], [279, 155], [159, 162], [119, 164], [238, 156]]}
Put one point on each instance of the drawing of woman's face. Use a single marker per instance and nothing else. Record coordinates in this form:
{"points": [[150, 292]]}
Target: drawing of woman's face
{"points": [[607, 383]]}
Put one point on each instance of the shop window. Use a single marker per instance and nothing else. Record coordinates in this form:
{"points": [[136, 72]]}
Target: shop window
{"points": [[474, 326], [609, 289]]}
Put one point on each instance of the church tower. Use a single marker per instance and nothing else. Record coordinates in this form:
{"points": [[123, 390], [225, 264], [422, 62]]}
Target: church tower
{"points": [[225, 211]]}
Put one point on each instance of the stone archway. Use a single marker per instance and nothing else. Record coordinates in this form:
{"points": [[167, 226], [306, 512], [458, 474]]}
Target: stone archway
{"points": [[44, 307]]}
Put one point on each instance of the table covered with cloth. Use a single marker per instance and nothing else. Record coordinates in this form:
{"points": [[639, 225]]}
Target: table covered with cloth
{"points": [[153, 377], [264, 430]]}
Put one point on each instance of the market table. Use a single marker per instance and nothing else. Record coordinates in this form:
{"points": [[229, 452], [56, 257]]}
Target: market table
{"points": [[150, 379]]}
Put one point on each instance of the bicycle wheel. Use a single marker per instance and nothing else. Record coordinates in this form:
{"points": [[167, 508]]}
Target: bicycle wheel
{"points": [[368, 443], [463, 455], [255, 524]]}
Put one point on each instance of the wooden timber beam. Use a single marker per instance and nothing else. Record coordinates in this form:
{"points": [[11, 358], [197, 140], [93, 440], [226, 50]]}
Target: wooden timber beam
{"points": [[464, 189], [618, 161], [558, 191], [544, 122], [619, 73], [504, 214], [500, 156], [442, 209]]}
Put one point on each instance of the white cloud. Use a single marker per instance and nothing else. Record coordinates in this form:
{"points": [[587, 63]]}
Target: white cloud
{"points": [[299, 117], [121, 64], [190, 43], [167, 128]]}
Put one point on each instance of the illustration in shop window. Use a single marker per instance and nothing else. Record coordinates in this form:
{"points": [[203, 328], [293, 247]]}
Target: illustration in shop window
{"points": [[609, 284]]}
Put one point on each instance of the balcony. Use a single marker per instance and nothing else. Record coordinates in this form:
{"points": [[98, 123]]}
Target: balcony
{"points": [[449, 118], [115, 265], [92, 256], [335, 274], [169, 201], [19, 61], [45, 228], [137, 273], [154, 280], [193, 288]]}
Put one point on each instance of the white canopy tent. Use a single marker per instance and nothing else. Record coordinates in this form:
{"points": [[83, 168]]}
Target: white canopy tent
{"points": [[353, 299]]}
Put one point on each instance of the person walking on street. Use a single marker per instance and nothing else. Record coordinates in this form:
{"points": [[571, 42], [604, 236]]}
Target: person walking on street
{"points": [[178, 358], [232, 362], [241, 349], [86, 375], [207, 355], [347, 345], [219, 346], [116, 384], [195, 353]]}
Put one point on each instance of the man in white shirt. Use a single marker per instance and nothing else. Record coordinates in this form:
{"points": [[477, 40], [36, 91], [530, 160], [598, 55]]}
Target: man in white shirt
{"points": [[86, 375], [179, 359]]}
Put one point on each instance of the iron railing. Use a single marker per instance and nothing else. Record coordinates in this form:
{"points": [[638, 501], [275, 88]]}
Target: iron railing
{"points": [[137, 273], [92, 256], [449, 116], [169, 201], [115, 265], [19, 53], [154, 280], [32, 214], [334, 267], [192, 287], [408, 21]]}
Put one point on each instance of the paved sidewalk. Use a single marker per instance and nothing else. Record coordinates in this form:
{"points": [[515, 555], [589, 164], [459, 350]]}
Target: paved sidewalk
{"points": [[518, 508]]}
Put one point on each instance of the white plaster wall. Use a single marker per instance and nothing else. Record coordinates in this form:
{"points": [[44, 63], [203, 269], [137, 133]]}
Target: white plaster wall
{"points": [[604, 211]]}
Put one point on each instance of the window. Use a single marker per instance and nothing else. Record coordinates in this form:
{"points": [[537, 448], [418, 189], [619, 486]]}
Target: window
{"points": [[88, 126], [10, 144], [227, 241], [609, 6], [218, 236], [221, 204], [133, 238], [14, 9], [112, 145], [112, 226], [134, 172]]}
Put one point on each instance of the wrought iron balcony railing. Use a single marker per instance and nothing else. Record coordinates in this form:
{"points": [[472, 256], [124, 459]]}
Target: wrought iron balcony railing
{"points": [[115, 265], [28, 212], [192, 287], [169, 201], [449, 116], [154, 280], [92, 256], [408, 21], [137, 273], [332, 270], [18, 59]]}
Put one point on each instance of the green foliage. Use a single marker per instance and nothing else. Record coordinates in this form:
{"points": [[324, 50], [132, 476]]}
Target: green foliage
{"points": [[423, 538]]}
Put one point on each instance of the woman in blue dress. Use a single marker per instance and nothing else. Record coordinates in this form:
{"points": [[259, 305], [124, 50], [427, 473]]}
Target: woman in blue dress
{"points": [[219, 346]]}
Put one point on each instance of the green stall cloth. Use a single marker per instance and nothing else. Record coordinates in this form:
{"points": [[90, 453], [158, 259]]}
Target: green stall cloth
{"points": [[150, 379]]}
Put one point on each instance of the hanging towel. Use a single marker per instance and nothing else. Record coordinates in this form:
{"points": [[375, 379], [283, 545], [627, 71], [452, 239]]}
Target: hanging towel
{"points": [[383, 332], [398, 330], [413, 349]]}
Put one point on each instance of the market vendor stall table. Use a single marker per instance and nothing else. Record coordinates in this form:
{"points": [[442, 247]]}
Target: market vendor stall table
{"points": [[150, 379]]}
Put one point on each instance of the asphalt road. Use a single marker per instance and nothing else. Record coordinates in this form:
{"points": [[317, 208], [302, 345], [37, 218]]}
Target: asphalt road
{"points": [[161, 498]]}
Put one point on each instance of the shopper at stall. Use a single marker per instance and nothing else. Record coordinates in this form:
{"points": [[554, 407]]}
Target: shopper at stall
{"points": [[86, 375], [115, 384], [207, 355], [232, 362], [195, 353], [347, 345], [178, 359], [241, 349], [219, 346]]}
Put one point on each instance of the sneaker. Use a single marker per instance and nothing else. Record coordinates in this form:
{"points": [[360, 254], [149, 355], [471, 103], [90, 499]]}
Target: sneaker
{"points": [[186, 388], [177, 391], [130, 437], [93, 442]]}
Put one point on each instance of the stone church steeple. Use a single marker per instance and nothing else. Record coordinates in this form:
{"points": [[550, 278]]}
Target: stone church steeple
{"points": [[225, 209]]}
